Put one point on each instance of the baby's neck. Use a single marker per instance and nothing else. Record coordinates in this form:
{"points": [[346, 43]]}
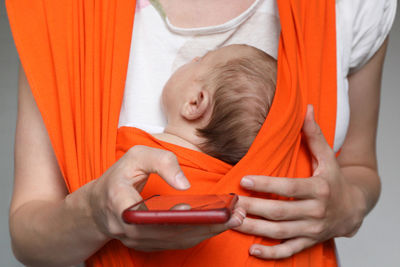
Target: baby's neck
{"points": [[181, 137]]}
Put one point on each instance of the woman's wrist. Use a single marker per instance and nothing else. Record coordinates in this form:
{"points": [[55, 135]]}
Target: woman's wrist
{"points": [[82, 202], [354, 211], [365, 184], [363, 190]]}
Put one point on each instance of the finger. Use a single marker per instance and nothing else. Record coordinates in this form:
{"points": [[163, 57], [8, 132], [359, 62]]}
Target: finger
{"points": [[162, 162], [237, 218], [123, 199], [162, 237], [279, 210], [288, 187], [316, 141], [183, 240], [284, 250], [175, 236], [169, 244], [181, 206], [281, 229]]}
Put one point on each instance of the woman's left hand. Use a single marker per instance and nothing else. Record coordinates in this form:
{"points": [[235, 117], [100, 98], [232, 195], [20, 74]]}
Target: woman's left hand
{"points": [[325, 205]]}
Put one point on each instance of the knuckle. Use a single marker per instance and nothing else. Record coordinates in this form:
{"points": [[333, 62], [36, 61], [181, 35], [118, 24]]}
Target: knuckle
{"points": [[131, 158], [320, 211], [351, 234], [280, 232], [244, 203], [278, 213], [291, 188], [114, 229], [355, 230], [317, 230], [167, 158], [356, 224], [323, 190], [286, 252]]}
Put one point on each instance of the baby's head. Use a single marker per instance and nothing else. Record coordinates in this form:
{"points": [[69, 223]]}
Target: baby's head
{"points": [[222, 99]]}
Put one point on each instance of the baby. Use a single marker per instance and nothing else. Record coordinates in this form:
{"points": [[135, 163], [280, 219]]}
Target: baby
{"points": [[217, 103]]}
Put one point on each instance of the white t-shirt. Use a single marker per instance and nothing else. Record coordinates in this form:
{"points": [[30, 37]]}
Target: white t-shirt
{"points": [[159, 48]]}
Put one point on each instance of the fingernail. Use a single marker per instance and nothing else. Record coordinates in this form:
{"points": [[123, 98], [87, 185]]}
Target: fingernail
{"points": [[182, 181], [242, 213], [255, 252], [234, 222], [246, 182]]}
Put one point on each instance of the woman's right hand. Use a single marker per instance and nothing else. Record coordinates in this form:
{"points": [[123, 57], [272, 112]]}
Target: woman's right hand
{"points": [[119, 187]]}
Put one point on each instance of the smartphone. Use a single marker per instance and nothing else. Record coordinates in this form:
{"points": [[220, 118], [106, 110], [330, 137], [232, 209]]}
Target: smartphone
{"points": [[182, 209]]}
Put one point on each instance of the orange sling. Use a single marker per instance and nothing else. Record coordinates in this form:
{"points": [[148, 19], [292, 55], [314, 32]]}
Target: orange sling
{"points": [[75, 56]]}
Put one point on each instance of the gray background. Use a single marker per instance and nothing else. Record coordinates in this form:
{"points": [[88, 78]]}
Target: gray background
{"points": [[377, 243]]}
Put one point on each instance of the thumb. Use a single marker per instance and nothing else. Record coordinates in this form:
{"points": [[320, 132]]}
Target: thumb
{"points": [[316, 141], [162, 162]]}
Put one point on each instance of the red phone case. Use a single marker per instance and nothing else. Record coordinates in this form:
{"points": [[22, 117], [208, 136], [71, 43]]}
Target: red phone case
{"points": [[182, 209]]}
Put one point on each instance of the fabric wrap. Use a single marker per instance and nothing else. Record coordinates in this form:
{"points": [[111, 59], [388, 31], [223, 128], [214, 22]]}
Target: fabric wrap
{"points": [[75, 55]]}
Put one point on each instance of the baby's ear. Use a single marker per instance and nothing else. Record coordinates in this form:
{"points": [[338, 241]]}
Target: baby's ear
{"points": [[195, 107]]}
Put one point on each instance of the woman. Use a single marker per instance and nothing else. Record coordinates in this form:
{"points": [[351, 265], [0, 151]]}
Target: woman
{"points": [[65, 229]]}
